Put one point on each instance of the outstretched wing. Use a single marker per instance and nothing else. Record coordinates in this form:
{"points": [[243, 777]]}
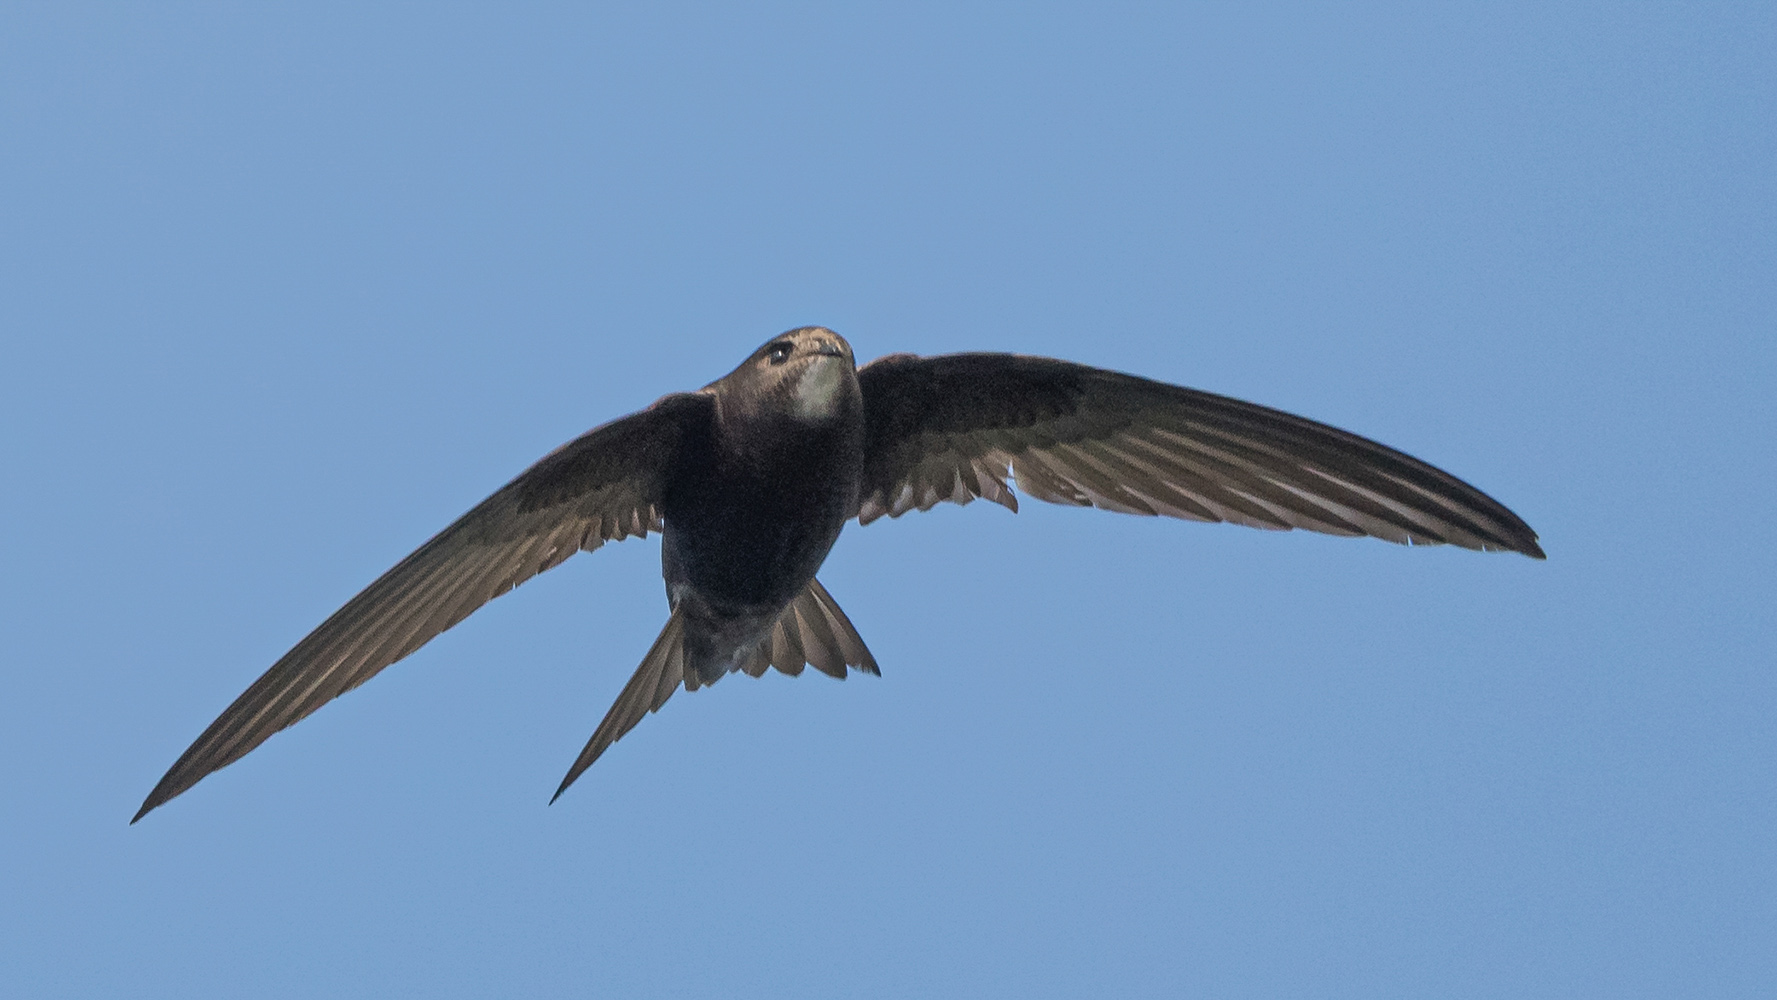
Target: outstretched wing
{"points": [[952, 427], [603, 486]]}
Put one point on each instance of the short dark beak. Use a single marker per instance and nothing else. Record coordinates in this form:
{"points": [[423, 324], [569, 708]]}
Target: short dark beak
{"points": [[830, 348]]}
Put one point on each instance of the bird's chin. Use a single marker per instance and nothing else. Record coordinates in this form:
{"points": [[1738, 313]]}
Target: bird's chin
{"points": [[820, 388]]}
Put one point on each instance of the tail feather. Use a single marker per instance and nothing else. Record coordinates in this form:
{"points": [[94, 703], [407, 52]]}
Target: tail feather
{"points": [[811, 630], [661, 672], [783, 646], [848, 644]]}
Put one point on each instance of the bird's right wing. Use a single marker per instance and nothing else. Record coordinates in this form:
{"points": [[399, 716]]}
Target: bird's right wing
{"points": [[603, 486]]}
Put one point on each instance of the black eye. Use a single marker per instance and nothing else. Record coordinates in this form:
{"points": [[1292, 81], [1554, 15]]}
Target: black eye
{"points": [[779, 352]]}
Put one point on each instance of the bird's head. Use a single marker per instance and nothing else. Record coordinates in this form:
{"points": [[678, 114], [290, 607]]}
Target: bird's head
{"points": [[807, 373]]}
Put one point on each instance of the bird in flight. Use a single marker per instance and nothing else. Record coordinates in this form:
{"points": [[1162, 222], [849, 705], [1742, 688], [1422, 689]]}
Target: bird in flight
{"points": [[750, 479]]}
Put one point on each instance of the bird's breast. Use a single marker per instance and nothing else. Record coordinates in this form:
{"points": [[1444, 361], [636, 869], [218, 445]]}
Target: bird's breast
{"points": [[749, 522]]}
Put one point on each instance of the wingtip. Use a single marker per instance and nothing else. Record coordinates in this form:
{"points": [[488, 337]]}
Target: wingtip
{"points": [[166, 790], [573, 775], [1525, 545]]}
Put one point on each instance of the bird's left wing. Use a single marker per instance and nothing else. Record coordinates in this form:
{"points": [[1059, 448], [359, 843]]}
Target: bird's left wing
{"points": [[603, 486], [953, 427]]}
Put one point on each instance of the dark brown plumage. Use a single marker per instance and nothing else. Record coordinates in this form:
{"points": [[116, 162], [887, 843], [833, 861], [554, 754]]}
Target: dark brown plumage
{"points": [[751, 478]]}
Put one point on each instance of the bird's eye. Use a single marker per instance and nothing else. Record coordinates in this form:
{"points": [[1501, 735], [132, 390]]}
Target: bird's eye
{"points": [[779, 352]]}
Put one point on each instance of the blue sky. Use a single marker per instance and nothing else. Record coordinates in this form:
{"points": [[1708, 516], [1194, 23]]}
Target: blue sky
{"points": [[283, 292]]}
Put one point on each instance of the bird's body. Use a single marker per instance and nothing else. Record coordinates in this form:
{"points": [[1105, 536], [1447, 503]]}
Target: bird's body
{"points": [[758, 500], [751, 479]]}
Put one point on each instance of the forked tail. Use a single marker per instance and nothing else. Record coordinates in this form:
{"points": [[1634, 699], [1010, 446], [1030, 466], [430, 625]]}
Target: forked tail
{"points": [[811, 630]]}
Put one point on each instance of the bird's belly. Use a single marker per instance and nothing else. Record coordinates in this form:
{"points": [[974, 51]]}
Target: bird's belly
{"points": [[750, 538], [745, 561]]}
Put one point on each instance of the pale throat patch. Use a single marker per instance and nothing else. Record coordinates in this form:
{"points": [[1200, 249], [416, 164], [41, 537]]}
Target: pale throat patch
{"points": [[819, 390]]}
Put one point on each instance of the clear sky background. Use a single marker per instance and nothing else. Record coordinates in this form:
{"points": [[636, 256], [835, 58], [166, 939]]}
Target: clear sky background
{"points": [[283, 292]]}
